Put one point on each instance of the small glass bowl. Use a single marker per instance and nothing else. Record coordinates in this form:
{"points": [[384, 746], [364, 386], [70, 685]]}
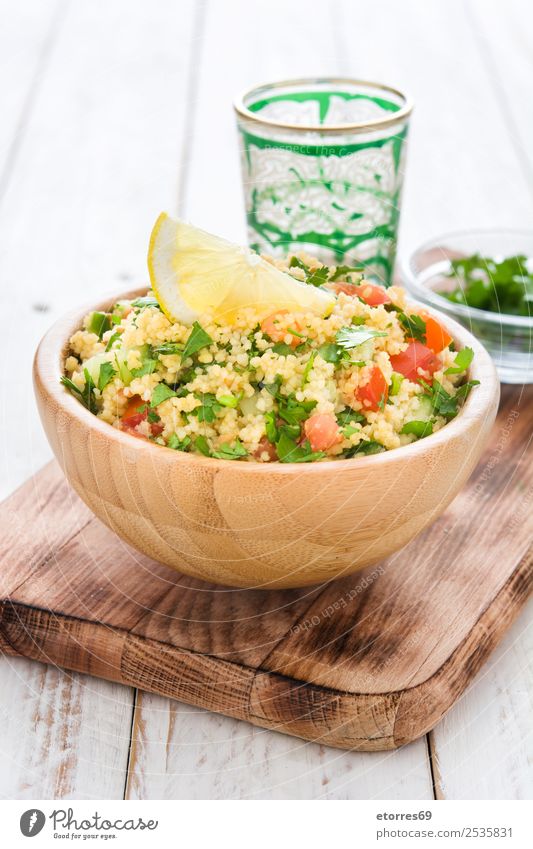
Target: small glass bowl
{"points": [[508, 338]]}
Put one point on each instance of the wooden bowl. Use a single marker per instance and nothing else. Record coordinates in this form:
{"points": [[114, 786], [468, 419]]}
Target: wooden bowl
{"points": [[253, 524]]}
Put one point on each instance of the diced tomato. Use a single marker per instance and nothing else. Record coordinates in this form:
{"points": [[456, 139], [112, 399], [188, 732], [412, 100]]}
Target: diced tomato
{"points": [[265, 446], [275, 327], [373, 395], [416, 356], [437, 338], [322, 431], [370, 293], [131, 416]]}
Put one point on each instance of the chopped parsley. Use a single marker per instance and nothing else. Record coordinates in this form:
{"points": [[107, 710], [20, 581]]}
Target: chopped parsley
{"points": [[235, 451], [414, 326], [167, 348], [271, 430], [497, 285], [201, 444], [282, 349], [294, 412], [443, 403], [105, 375], [308, 367], [179, 444], [161, 393], [317, 277], [343, 271], [369, 446], [144, 302], [352, 337], [197, 340], [208, 409], [289, 451], [112, 339], [85, 395], [349, 416], [463, 359]]}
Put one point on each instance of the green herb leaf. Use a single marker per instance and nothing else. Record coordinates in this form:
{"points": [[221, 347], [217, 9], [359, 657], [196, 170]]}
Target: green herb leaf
{"points": [[282, 349], [161, 393], [308, 367], [369, 446], [197, 340], [201, 444], [289, 451], [112, 339], [208, 409], [348, 416], [502, 286], [349, 430], [144, 302], [167, 348], [462, 362], [105, 375], [342, 271], [179, 444], [330, 352], [352, 337], [293, 411], [414, 325], [85, 395], [418, 428], [270, 427], [235, 451], [317, 277]]}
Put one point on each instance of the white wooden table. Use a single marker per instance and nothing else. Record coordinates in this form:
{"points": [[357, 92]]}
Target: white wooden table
{"points": [[116, 109]]}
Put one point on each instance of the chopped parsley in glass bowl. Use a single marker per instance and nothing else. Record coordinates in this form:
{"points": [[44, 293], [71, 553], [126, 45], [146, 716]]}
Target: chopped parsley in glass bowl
{"points": [[483, 279]]}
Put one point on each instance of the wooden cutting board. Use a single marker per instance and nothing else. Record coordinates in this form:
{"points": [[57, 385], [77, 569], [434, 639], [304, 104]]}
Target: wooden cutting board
{"points": [[369, 662]]}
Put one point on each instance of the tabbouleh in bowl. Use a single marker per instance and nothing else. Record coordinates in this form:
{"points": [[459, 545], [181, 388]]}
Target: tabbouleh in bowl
{"points": [[373, 375]]}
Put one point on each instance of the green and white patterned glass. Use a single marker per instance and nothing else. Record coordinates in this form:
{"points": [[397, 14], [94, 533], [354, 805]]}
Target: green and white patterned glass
{"points": [[323, 162]]}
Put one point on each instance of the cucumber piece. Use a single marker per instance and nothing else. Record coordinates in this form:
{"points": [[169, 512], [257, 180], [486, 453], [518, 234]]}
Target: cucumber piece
{"points": [[424, 411]]}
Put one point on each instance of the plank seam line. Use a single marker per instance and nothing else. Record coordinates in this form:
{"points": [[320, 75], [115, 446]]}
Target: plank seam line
{"points": [[32, 94]]}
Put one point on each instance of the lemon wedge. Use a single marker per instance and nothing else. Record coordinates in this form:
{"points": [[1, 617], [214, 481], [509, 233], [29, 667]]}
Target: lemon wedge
{"points": [[193, 272]]}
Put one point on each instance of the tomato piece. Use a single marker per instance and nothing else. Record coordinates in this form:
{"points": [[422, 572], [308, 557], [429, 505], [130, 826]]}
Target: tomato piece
{"points": [[437, 337], [416, 356], [131, 416], [274, 326], [373, 395], [322, 431], [266, 446], [370, 293], [156, 428]]}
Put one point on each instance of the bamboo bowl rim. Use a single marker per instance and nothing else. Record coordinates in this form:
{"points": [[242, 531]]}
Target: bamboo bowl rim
{"points": [[48, 367]]}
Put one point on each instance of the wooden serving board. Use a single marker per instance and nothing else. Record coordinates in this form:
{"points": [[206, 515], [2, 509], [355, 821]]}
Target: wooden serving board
{"points": [[368, 662]]}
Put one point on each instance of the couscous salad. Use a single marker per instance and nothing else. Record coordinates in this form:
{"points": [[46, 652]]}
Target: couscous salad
{"points": [[237, 367]]}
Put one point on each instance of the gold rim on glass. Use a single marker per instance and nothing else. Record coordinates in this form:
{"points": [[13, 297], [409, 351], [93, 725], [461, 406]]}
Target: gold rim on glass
{"points": [[357, 127]]}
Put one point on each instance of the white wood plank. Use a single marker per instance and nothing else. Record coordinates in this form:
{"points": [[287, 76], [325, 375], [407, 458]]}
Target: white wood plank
{"points": [[483, 749], [462, 169], [504, 34], [27, 37], [62, 735], [181, 752], [98, 159]]}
